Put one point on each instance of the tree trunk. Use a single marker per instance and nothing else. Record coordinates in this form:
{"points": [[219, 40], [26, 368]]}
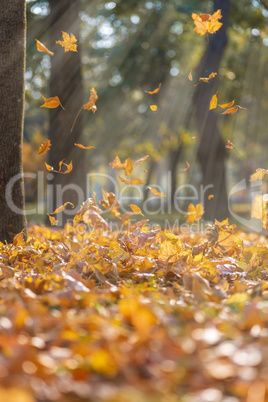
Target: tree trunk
{"points": [[66, 83], [12, 69], [211, 152]]}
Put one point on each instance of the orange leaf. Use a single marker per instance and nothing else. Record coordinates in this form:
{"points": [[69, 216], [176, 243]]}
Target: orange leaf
{"points": [[117, 164], [90, 105], [51, 103], [136, 209], [224, 105], [210, 196], [68, 42], [44, 147], [231, 110], [6, 270], [206, 23], [140, 161], [213, 103], [185, 170], [167, 252], [155, 192], [155, 91], [212, 75], [110, 202], [153, 108], [194, 213], [42, 48], [53, 221], [128, 168], [136, 182], [49, 168], [190, 76], [83, 147], [69, 168], [61, 208], [229, 145]]}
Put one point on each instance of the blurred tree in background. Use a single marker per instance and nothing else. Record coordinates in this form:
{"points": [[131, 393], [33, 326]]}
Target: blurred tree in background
{"points": [[128, 48]]}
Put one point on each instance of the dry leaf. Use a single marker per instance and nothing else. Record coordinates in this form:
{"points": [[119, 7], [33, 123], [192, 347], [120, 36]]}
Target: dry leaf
{"points": [[190, 76], [61, 208], [155, 192], [153, 108], [68, 42], [212, 75], [136, 209], [210, 196], [117, 164], [214, 101], [224, 105], [140, 161], [83, 147], [53, 221], [231, 110], [90, 105], [44, 147], [259, 175], [129, 167], [206, 23], [42, 48], [229, 145], [51, 103], [194, 213], [155, 91], [185, 170]]}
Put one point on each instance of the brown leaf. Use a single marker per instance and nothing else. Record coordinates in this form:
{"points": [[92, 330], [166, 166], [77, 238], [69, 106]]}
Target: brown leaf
{"points": [[44, 147], [61, 208]]}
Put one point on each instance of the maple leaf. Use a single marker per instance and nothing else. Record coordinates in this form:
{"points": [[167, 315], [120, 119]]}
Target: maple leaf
{"points": [[68, 42], [51, 103], [44, 147], [155, 91], [153, 108], [155, 192], [213, 102], [42, 48], [83, 147], [167, 252], [206, 23], [136, 209], [259, 175], [194, 213]]}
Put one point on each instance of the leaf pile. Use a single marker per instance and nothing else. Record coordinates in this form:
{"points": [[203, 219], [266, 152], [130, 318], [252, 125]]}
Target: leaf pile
{"points": [[141, 314]]}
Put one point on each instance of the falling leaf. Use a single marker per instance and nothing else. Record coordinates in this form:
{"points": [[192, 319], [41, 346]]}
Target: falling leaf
{"points": [[129, 167], [210, 196], [83, 147], [190, 76], [61, 163], [206, 23], [140, 161], [233, 109], [68, 42], [53, 221], [42, 48], [90, 105], [135, 181], [117, 164], [213, 103], [229, 145], [61, 208], [155, 91], [212, 75], [194, 213], [110, 202], [51, 103], [259, 175], [225, 105], [44, 147], [153, 108], [49, 168], [155, 192], [136, 209], [185, 170]]}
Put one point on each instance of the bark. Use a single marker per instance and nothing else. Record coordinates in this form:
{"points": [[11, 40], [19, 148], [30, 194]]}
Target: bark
{"points": [[211, 152], [66, 83], [12, 69]]}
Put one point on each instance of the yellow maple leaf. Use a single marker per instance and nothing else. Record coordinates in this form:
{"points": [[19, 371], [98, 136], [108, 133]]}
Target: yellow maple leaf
{"points": [[194, 213], [68, 42], [206, 23], [167, 252]]}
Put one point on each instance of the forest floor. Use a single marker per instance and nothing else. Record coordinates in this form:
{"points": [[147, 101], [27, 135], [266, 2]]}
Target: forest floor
{"points": [[137, 315]]}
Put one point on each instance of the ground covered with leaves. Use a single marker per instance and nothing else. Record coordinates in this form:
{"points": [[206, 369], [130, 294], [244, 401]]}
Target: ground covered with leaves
{"points": [[137, 315]]}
